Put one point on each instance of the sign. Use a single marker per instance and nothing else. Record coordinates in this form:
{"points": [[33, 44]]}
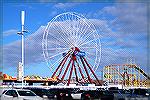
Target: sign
{"points": [[81, 54]]}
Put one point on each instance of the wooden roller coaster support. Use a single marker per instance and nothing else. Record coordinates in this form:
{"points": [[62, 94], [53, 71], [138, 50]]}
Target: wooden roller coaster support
{"points": [[126, 82], [139, 77]]}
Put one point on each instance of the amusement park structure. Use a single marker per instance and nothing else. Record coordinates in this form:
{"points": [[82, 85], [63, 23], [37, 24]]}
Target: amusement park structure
{"points": [[71, 47], [72, 50], [72, 54], [129, 75]]}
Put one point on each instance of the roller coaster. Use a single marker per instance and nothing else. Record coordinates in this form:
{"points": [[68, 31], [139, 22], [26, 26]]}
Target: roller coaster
{"points": [[126, 74]]}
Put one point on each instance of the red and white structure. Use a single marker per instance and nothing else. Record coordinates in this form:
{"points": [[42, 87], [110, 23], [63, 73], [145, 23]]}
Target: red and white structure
{"points": [[72, 48]]}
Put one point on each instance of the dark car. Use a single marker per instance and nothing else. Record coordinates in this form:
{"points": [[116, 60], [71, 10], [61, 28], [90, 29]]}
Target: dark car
{"points": [[44, 93], [92, 94], [120, 94], [61, 94], [106, 95], [140, 93]]}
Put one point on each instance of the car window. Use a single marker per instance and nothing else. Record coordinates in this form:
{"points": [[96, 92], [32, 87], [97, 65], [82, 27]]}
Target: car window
{"points": [[40, 91], [11, 93], [26, 93]]}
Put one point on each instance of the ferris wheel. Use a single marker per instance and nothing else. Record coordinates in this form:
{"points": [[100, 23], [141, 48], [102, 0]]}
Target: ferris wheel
{"points": [[71, 45]]}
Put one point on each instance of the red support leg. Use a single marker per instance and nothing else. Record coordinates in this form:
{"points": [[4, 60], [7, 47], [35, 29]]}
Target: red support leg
{"points": [[76, 73], [92, 71], [86, 70], [60, 65], [66, 70], [70, 73], [80, 70]]}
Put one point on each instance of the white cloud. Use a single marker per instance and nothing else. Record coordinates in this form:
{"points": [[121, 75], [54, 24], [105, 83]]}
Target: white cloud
{"points": [[33, 50], [130, 17], [10, 32], [117, 47], [65, 5]]}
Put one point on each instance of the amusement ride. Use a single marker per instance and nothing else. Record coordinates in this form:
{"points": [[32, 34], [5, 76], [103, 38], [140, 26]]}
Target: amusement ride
{"points": [[72, 48]]}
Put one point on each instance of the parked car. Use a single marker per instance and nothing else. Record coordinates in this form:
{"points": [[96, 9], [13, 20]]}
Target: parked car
{"points": [[61, 94], [120, 94], [138, 94], [76, 93], [102, 95], [19, 94], [106, 95], [44, 93]]}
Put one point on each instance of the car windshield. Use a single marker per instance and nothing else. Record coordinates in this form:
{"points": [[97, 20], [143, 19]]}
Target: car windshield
{"points": [[26, 93]]}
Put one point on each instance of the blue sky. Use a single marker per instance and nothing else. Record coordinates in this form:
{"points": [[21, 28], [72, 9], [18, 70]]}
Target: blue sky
{"points": [[40, 14], [122, 37]]}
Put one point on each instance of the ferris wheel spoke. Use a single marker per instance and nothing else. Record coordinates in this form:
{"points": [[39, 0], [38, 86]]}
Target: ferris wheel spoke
{"points": [[91, 63], [92, 54], [56, 49], [96, 47], [85, 30], [71, 35], [69, 31], [57, 54], [58, 61], [65, 40], [89, 41], [56, 43], [83, 27], [67, 25], [79, 26], [87, 47], [86, 37], [59, 40]]}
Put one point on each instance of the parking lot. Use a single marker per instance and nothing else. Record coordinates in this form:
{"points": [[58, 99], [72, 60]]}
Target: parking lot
{"points": [[74, 94]]}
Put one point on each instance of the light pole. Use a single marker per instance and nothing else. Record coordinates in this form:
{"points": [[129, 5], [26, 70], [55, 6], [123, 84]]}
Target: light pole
{"points": [[22, 35]]}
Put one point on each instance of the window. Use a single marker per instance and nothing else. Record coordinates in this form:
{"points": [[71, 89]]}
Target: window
{"points": [[26, 93], [11, 93]]}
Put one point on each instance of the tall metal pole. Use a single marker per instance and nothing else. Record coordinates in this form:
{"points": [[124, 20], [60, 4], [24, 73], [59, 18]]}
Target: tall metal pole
{"points": [[22, 50], [22, 30]]}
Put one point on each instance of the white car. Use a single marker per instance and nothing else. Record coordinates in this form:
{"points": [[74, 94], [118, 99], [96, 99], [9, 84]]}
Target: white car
{"points": [[76, 94], [19, 94]]}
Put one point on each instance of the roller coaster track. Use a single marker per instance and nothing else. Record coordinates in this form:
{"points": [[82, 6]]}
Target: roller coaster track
{"points": [[141, 71], [135, 67]]}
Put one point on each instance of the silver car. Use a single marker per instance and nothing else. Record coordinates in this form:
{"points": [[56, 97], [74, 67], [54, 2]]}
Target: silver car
{"points": [[19, 94]]}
